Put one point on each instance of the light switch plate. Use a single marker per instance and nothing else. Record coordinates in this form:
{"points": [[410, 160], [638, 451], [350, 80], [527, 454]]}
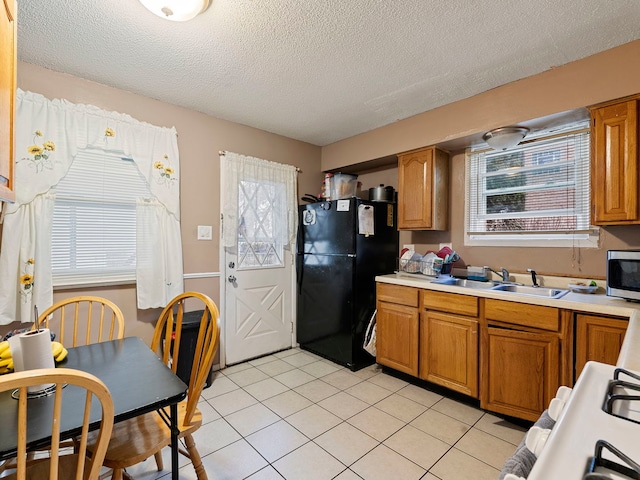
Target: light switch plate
{"points": [[205, 232]]}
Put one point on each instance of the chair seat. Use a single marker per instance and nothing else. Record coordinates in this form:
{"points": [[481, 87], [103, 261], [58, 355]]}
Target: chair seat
{"points": [[132, 440], [39, 469]]}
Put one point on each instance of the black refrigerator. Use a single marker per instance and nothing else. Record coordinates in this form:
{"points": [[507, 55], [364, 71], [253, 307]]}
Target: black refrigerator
{"points": [[342, 245]]}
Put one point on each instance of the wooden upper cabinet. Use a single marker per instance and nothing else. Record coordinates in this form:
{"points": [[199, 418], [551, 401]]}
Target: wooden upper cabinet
{"points": [[614, 163], [423, 189], [8, 36]]}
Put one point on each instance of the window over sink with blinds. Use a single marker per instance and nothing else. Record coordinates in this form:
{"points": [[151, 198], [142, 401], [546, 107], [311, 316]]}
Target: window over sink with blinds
{"points": [[537, 193]]}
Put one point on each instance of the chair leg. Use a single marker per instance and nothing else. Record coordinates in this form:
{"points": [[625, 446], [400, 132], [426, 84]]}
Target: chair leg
{"points": [[195, 457], [159, 462]]}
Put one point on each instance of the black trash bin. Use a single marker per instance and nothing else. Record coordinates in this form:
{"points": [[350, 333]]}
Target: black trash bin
{"points": [[188, 340]]}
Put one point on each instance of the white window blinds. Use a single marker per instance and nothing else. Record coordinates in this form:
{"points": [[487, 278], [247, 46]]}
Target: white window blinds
{"points": [[94, 220], [538, 188]]}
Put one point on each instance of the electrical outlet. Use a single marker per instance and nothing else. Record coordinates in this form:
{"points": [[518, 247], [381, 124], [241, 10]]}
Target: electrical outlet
{"points": [[442, 245], [205, 232]]}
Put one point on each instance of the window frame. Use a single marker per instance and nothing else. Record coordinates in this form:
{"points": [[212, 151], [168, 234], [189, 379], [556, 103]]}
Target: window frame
{"points": [[475, 161]]}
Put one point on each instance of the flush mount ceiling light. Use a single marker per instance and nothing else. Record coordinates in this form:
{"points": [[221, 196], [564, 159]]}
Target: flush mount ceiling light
{"points": [[504, 138], [176, 10]]}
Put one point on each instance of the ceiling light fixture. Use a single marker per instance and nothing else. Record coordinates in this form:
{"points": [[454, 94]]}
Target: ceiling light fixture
{"points": [[504, 138], [176, 10]]}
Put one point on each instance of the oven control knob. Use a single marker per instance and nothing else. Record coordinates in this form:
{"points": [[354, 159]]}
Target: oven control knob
{"points": [[537, 439]]}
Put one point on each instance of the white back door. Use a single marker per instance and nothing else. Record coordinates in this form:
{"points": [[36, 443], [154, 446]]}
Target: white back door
{"points": [[259, 280]]}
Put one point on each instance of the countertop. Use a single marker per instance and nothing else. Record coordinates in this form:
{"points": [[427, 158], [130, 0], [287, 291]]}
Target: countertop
{"points": [[597, 303]]}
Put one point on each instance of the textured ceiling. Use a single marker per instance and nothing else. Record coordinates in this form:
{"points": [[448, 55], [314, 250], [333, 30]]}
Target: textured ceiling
{"points": [[319, 70]]}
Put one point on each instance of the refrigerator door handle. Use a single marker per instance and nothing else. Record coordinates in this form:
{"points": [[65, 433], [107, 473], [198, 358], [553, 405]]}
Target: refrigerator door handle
{"points": [[299, 273]]}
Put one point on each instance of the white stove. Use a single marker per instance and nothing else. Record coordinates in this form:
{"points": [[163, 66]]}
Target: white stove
{"points": [[603, 414]]}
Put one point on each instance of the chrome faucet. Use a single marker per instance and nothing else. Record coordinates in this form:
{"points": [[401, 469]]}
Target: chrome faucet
{"points": [[534, 280], [504, 275]]}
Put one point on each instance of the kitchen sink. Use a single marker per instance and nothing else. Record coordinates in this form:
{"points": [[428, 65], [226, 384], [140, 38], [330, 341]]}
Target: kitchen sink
{"points": [[463, 282], [545, 292]]}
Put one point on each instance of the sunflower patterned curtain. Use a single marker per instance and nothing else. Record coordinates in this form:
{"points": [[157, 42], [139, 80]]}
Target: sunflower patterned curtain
{"points": [[49, 134]]}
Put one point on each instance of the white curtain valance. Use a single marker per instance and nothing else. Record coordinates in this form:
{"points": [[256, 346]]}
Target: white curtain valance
{"points": [[64, 127], [49, 134]]}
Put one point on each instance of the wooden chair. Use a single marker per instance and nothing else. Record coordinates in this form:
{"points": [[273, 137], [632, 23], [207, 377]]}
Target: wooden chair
{"points": [[134, 440], [76, 465], [83, 320]]}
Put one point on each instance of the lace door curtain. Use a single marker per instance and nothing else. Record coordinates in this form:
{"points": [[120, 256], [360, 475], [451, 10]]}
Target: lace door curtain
{"points": [[236, 168], [49, 134]]}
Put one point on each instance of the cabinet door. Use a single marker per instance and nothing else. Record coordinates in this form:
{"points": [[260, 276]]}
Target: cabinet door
{"points": [[397, 337], [415, 180], [7, 97], [614, 174], [598, 339], [520, 375], [449, 351]]}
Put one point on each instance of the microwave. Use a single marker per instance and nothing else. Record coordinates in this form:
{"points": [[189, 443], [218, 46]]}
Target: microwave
{"points": [[623, 274]]}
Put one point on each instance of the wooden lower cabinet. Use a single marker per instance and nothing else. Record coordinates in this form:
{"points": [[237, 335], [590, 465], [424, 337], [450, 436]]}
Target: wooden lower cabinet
{"points": [[449, 351], [397, 328], [599, 339], [520, 372]]}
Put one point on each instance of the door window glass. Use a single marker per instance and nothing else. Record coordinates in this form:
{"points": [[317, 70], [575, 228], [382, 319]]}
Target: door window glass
{"points": [[257, 209]]}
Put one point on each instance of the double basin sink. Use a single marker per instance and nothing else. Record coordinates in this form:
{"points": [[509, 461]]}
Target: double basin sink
{"points": [[544, 292]]}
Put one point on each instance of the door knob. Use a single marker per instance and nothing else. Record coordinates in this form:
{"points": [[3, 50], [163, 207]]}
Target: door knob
{"points": [[232, 279]]}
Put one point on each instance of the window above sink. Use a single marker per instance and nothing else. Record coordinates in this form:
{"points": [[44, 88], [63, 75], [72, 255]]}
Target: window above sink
{"points": [[536, 193]]}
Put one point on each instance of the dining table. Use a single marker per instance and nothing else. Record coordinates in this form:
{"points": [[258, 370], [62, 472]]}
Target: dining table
{"points": [[139, 383]]}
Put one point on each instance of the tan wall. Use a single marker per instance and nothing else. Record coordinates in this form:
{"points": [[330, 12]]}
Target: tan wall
{"points": [[611, 74], [608, 75], [200, 138]]}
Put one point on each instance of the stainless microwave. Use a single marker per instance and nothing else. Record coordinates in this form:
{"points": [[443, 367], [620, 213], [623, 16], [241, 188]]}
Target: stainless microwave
{"points": [[623, 274]]}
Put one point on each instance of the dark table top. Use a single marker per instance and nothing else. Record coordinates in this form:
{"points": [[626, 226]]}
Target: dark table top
{"points": [[138, 381]]}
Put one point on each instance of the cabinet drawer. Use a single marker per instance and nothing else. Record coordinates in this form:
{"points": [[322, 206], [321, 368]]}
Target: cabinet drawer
{"points": [[534, 316], [397, 294], [450, 302]]}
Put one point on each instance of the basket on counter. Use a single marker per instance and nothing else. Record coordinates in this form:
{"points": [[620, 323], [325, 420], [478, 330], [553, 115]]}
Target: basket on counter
{"points": [[430, 267]]}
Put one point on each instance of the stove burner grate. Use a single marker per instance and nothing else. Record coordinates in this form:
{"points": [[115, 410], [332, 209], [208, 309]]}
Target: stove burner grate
{"points": [[613, 395], [631, 471]]}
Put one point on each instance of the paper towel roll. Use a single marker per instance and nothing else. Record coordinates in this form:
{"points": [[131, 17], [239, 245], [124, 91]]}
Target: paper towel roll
{"points": [[35, 348], [16, 353]]}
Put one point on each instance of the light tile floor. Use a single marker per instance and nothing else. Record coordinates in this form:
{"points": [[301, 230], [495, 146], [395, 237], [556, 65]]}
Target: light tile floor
{"points": [[295, 416]]}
